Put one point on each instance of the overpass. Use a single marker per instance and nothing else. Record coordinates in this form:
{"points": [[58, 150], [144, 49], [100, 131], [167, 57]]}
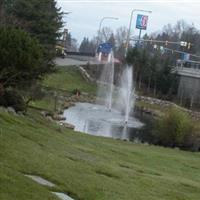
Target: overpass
{"points": [[189, 85], [188, 68], [194, 73], [80, 60]]}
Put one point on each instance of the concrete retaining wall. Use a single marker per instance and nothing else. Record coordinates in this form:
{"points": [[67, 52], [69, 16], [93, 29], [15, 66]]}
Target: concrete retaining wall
{"points": [[189, 91]]}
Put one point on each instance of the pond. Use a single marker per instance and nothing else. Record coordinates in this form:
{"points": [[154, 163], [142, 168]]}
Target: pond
{"points": [[99, 121]]}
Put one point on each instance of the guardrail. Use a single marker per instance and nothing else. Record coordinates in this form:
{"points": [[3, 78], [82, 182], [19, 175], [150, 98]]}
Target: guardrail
{"points": [[191, 72], [73, 53]]}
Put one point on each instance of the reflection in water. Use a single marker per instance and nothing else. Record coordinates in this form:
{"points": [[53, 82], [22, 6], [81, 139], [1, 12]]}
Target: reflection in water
{"points": [[98, 120]]}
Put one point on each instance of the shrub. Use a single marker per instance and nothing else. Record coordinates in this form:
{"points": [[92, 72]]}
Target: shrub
{"points": [[174, 128], [32, 93], [13, 99], [21, 58], [76, 92]]}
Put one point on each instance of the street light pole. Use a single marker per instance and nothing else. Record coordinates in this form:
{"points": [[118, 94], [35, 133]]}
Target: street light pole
{"points": [[65, 30], [100, 24], [129, 29]]}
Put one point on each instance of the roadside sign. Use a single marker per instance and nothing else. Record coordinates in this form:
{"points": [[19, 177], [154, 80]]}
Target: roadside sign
{"points": [[105, 48], [183, 44], [186, 56], [141, 22]]}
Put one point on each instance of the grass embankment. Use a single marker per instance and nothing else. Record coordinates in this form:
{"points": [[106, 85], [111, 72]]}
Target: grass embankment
{"points": [[87, 167], [69, 79], [63, 82]]}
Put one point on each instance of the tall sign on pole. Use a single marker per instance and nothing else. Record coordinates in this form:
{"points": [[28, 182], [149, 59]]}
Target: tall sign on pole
{"points": [[141, 23]]}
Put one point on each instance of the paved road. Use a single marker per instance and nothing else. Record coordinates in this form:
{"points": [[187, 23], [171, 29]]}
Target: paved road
{"points": [[69, 62], [77, 60]]}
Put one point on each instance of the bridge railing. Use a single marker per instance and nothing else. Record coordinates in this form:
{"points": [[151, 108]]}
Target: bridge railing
{"points": [[188, 68], [184, 71]]}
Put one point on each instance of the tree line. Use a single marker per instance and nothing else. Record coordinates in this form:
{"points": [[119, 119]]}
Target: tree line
{"points": [[28, 33], [152, 62]]}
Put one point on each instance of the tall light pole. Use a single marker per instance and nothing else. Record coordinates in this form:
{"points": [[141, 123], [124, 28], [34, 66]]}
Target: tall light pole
{"points": [[129, 29], [100, 24], [65, 31]]}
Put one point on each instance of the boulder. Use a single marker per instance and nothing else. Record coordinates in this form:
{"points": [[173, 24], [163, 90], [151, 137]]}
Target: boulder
{"points": [[11, 110], [67, 125], [58, 117]]}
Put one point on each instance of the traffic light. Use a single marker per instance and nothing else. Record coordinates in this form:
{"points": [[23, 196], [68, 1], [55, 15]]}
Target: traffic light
{"points": [[189, 45], [183, 44]]}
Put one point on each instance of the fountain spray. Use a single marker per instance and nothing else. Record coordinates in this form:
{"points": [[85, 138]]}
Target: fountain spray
{"points": [[111, 83]]}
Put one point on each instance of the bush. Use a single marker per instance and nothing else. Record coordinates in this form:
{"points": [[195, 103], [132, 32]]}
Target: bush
{"points": [[32, 93], [12, 99], [76, 92], [174, 129], [21, 58]]}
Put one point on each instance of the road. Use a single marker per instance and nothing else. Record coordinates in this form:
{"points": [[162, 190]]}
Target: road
{"points": [[69, 62], [74, 61], [80, 61]]}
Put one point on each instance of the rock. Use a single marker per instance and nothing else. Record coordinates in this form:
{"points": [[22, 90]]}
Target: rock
{"points": [[85, 93], [50, 114], [11, 110], [49, 118], [68, 105], [40, 180], [44, 113], [20, 113], [3, 109], [58, 117], [67, 125]]}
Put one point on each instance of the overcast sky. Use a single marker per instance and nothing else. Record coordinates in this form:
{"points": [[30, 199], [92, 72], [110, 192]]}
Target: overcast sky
{"points": [[86, 15]]}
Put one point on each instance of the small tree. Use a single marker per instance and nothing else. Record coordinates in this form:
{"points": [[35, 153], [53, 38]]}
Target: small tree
{"points": [[21, 58], [87, 46], [173, 128]]}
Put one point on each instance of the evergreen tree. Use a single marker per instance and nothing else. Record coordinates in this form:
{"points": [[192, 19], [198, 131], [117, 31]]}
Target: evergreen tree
{"points": [[111, 40], [21, 58], [42, 19], [87, 46]]}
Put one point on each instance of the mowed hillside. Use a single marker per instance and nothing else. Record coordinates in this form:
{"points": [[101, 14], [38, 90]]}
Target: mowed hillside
{"points": [[88, 167]]}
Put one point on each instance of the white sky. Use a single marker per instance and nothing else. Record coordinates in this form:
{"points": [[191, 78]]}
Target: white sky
{"points": [[86, 14]]}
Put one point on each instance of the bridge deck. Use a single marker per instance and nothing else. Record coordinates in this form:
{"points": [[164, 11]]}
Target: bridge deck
{"points": [[190, 72]]}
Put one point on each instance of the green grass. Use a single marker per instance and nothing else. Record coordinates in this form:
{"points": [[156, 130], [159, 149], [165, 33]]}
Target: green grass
{"points": [[64, 81], [69, 79], [151, 106], [47, 103], [88, 167], [84, 166]]}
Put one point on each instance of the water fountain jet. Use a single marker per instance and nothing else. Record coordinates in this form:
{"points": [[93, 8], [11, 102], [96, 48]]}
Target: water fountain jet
{"points": [[110, 119], [111, 83]]}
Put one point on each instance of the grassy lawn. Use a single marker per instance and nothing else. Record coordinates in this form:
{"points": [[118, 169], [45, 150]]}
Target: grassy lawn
{"points": [[46, 103], [69, 79], [87, 167], [64, 82], [84, 166]]}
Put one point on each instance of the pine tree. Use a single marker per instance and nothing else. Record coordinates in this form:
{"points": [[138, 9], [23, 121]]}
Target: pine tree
{"points": [[21, 58], [42, 19], [86, 46]]}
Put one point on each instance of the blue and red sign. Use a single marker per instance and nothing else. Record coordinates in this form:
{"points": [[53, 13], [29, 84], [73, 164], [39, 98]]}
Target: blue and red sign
{"points": [[105, 48], [141, 22]]}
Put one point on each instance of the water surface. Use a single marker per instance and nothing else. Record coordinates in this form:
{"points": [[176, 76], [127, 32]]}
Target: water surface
{"points": [[98, 120]]}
